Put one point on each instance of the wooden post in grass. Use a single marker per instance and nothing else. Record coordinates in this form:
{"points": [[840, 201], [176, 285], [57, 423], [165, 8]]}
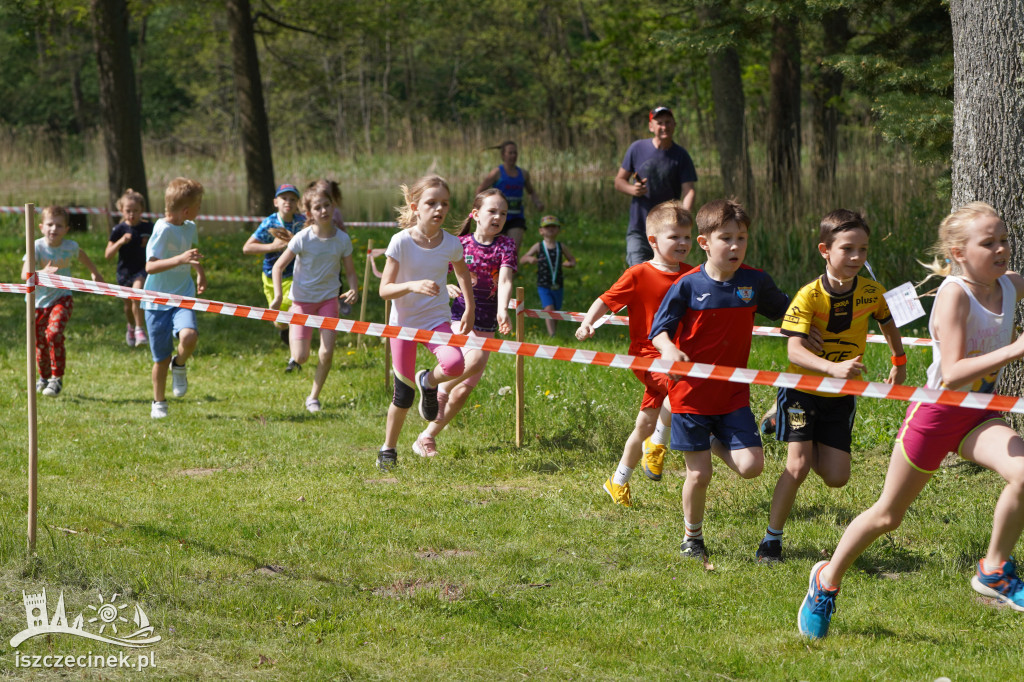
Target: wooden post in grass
{"points": [[387, 349], [366, 290], [520, 332], [30, 365]]}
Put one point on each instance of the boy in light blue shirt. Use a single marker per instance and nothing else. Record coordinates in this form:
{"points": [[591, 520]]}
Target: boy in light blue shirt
{"points": [[170, 259]]}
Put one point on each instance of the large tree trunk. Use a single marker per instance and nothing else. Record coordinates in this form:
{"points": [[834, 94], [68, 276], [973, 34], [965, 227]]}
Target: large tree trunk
{"points": [[784, 111], [259, 163], [988, 121], [730, 115], [826, 90], [119, 113]]}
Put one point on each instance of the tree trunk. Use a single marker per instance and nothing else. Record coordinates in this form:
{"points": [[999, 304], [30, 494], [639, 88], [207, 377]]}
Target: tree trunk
{"points": [[730, 116], [784, 111], [988, 122], [259, 162], [119, 113], [826, 90]]}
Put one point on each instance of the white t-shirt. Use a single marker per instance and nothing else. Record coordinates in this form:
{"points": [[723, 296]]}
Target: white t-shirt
{"points": [[415, 263], [317, 265]]}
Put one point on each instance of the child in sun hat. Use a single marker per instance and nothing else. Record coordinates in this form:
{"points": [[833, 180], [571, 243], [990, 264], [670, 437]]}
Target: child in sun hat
{"points": [[551, 256]]}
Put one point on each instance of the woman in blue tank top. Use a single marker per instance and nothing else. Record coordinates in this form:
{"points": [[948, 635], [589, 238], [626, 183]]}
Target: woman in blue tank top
{"points": [[513, 181]]}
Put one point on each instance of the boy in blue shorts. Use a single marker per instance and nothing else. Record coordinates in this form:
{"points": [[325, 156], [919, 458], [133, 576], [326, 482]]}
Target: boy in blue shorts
{"points": [[170, 259], [818, 426], [270, 240], [548, 255], [708, 316]]}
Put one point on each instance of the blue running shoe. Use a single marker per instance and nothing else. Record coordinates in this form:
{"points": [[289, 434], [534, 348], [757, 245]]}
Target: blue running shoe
{"points": [[1003, 584], [819, 605]]}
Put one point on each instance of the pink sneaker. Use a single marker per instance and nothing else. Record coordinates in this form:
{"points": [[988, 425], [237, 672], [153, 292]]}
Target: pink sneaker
{"points": [[140, 336], [424, 446]]}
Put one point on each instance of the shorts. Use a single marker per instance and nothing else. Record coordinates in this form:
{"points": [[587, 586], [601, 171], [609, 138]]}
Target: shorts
{"points": [[286, 288], [737, 429], [823, 419], [514, 222], [164, 326], [130, 279], [929, 432], [656, 387], [328, 308], [638, 249], [550, 297]]}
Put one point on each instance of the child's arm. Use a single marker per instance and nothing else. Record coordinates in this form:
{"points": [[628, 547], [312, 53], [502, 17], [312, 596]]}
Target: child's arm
{"points": [[390, 290], [669, 351], [87, 262], [531, 255], [586, 329], [505, 276], [570, 260], [277, 276], [253, 246], [898, 373], [465, 278], [528, 186], [800, 356], [190, 257], [114, 247], [352, 295]]}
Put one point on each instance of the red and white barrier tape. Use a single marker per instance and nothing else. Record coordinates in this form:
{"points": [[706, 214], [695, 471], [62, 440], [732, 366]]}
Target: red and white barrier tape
{"points": [[870, 389], [86, 210], [624, 320], [15, 288]]}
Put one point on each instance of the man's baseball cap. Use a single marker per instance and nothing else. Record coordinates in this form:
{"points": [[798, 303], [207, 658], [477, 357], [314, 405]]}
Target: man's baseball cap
{"points": [[659, 110], [549, 220], [282, 189]]}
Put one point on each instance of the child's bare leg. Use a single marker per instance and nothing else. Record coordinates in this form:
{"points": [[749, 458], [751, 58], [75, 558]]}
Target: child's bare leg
{"points": [[747, 462], [632, 451], [160, 379], [903, 483], [138, 316], [326, 358], [695, 487], [548, 322], [799, 458], [394, 424], [187, 340], [997, 447], [458, 390], [300, 347], [129, 314]]}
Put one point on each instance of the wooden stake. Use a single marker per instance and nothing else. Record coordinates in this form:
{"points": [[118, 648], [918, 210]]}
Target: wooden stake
{"points": [[30, 365], [520, 333]]}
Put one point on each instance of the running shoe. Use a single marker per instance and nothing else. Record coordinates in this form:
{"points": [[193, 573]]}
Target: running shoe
{"points": [[428, 397], [653, 460], [179, 378], [140, 336], [769, 552], [387, 459], [292, 366], [54, 387], [816, 611], [158, 410], [694, 549], [618, 493], [41, 384], [129, 336], [1003, 584], [424, 446], [312, 404], [768, 420]]}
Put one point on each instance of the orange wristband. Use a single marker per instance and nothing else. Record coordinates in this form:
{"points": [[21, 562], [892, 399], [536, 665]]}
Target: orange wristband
{"points": [[899, 360]]}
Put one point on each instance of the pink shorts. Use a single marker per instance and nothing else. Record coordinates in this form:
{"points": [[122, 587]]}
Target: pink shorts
{"points": [[929, 432], [656, 386], [328, 308]]}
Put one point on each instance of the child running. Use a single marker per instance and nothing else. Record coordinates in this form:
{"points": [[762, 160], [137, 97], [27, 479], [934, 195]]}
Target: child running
{"points": [[548, 255], [271, 239], [318, 251], [128, 240], [641, 288], [414, 278], [709, 312], [491, 259], [972, 333], [170, 258], [819, 426], [53, 306]]}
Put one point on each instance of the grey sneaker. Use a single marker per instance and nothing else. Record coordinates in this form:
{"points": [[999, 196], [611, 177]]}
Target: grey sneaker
{"points": [[54, 387], [387, 459], [158, 410], [179, 378], [41, 384], [292, 366]]}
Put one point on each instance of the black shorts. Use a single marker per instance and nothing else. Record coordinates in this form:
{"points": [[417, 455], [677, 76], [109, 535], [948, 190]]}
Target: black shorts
{"points": [[517, 221], [807, 417]]}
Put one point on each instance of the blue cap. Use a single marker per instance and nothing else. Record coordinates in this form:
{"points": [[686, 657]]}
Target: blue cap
{"points": [[281, 189]]}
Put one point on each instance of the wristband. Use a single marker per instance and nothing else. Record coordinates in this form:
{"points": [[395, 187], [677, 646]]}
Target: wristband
{"points": [[899, 360]]}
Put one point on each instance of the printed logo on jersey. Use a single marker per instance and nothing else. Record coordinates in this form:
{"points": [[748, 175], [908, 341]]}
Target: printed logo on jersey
{"points": [[703, 296], [469, 259], [745, 294]]}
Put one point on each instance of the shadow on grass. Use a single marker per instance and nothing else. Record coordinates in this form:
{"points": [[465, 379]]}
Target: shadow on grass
{"points": [[829, 513]]}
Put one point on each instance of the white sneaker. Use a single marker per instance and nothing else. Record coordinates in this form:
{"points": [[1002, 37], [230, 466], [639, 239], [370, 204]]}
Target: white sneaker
{"points": [[158, 410], [41, 384], [179, 379], [54, 387]]}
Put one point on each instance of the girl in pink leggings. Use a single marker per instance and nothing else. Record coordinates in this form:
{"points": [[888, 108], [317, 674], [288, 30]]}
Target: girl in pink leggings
{"points": [[414, 278]]}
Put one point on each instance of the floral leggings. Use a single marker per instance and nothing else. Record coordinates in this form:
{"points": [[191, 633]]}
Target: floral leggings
{"points": [[50, 324]]}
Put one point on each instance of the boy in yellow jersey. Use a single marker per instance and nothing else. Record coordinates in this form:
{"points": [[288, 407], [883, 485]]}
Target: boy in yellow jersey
{"points": [[818, 426]]}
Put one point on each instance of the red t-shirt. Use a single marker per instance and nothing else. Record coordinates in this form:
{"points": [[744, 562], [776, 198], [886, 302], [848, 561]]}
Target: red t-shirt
{"points": [[641, 288]]}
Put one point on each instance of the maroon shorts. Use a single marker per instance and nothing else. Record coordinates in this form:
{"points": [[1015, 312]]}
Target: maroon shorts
{"points": [[930, 432], [656, 386]]}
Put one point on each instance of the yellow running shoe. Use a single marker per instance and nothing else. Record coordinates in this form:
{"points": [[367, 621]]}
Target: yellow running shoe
{"points": [[619, 493], [653, 461]]}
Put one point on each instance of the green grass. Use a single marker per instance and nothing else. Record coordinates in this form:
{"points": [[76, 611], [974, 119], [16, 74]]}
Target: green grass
{"points": [[252, 531]]}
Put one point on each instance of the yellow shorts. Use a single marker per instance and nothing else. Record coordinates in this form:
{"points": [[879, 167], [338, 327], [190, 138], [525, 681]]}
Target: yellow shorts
{"points": [[268, 291]]}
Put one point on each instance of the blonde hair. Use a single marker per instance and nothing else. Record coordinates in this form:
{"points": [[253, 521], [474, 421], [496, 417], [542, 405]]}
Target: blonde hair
{"points": [[718, 212], [467, 224], [130, 196], [953, 233], [406, 216], [182, 193], [54, 211], [666, 215]]}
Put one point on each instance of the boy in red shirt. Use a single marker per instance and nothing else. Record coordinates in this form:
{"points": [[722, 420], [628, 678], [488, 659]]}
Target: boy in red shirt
{"points": [[641, 288]]}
